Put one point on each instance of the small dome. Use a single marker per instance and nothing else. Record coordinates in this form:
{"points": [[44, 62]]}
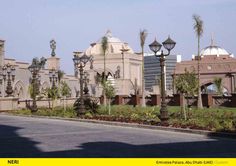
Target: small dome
{"points": [[213, 50]]}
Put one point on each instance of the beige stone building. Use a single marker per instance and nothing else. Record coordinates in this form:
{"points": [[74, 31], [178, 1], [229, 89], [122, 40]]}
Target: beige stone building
{"points": [[22, 76], [123, 66]]}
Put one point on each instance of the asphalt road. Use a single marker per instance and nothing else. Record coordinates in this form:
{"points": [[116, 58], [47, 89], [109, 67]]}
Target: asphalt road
{"points": [[38, 137]]}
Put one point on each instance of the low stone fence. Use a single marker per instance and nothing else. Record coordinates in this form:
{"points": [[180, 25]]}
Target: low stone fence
{"points": [[47, 102], [8, 103], [209, 100]]}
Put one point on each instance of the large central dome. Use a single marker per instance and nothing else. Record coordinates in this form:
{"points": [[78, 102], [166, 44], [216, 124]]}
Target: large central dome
{"points": [[110, 38], [114, 46]]}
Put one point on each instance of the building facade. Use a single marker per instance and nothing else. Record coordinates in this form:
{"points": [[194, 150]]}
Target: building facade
{"points": [[123, 66], [152, 72], [215, 62], [21, 82], [123, 69]]}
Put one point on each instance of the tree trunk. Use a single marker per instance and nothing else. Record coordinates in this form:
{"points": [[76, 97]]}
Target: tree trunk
{"points": [[64, 107], [49, 104], [143, 81], [104, 82], [109, 106], [199, 103], [53, 105], [183, 108]]}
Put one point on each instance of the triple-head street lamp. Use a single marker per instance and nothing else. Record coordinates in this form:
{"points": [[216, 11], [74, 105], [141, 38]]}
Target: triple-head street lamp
{"points": [[53, 77], [80, 62], [34, 68], [86, 81], [169, 44], [9, 76]]}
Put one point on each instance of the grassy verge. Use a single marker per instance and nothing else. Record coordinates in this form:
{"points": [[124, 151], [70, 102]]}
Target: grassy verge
{"points": [[213, 119]]}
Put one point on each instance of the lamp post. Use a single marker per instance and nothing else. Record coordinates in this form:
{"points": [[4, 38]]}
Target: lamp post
{"points": [[86, 81], [53, 77], [34, 68], [80, 62], [1, 82], [123, 50], [169, 44], [9, 76]]}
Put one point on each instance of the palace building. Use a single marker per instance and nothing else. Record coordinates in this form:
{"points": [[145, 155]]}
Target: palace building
{"points": [[123, 66], [123, 70], [215, 62]]}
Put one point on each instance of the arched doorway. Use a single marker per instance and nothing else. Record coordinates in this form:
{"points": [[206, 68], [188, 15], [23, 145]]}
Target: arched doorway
{"points": [[19, 90], [211, 88]]}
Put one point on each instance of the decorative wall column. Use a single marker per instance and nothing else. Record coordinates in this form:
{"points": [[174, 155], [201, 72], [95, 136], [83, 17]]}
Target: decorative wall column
{"points": [[53, 62], [233, 83], [2, 57]]}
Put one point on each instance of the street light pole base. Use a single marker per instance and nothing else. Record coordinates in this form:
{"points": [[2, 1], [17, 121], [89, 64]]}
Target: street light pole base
{"points": [[81, 111], [34, 109], [164, 113]]}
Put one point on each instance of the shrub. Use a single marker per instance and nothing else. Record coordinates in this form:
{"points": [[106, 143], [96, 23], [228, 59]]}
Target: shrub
{"points": [[91, 104]]}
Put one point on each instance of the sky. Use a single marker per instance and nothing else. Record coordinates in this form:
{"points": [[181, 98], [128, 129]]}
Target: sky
{"points": [[28, 26]]}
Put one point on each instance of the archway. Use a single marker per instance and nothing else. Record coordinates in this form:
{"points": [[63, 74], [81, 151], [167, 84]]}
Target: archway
{"points": [[212, 89], [44, 86], [19, 89]]}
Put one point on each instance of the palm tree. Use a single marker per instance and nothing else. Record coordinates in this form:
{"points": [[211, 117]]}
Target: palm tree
{"points": [[198, 27], [143, 36], [104, 50], [60, 75], [187, 84], [64, 91], [218, 83]]}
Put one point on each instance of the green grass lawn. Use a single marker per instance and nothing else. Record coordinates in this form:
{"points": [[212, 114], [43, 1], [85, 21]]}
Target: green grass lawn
{"points": [[213, 119]]}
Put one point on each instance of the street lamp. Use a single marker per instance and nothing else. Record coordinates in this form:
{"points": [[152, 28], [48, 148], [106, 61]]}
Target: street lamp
{"points": [[53, 77], [80, 63], [86, 81], [34, 68], [9, 76], [1, 80], [169, 44]]}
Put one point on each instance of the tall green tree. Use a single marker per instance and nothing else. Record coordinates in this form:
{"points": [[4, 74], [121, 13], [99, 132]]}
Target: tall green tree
{"points": [[104, 45], [60, 74], [53, 94], [110, 92], [198, 28], [218, 83], [64, 91], [187, 84], [143, 36]]}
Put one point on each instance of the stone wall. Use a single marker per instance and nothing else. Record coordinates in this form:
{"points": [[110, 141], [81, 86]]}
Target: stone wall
{"points": [[209, 100]]}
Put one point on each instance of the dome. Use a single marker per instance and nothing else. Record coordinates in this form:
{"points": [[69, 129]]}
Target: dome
{"points": [[114, 46], [213, 50], [110, 38]]}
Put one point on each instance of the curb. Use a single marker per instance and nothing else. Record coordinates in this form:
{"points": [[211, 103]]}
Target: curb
{"points": [[136, 125]]}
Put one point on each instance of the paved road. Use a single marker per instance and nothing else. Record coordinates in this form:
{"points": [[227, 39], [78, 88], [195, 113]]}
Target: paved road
{"points": [[36, 137]]}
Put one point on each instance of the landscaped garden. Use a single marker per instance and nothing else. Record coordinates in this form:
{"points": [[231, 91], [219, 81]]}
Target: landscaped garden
{"points": [[212, 119]]}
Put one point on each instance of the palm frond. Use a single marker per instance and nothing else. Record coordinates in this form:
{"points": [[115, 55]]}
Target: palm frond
{"points": [[104, 44], [143, 36], [198, 25]]}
